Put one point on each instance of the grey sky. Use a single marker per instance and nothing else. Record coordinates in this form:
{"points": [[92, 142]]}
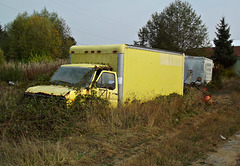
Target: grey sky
{"points": [[118, 21]]}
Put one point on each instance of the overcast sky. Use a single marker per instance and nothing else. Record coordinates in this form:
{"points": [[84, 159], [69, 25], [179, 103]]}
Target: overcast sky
{"points": [[94, 22]]}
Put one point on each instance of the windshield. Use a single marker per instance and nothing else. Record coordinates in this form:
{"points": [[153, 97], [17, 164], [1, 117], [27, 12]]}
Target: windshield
{"points": [[73, 76]]}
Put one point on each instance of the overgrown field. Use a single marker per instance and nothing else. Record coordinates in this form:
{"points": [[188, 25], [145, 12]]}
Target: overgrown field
{"points": [[169, 130], [28, 71]]}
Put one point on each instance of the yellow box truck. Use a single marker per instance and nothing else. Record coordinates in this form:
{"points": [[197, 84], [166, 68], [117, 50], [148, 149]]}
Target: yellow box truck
{"points": [[119, 73]]}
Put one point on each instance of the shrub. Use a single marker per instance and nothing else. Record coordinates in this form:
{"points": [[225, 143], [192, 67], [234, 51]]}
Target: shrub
{"points": [[216, 82], [229, 73], [41, 118], [2, 59], [38, 57], [48, 118], [11, 73]]}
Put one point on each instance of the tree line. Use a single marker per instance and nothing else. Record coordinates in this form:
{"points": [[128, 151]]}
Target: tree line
{"points": [[42, 35], [177, 28]]}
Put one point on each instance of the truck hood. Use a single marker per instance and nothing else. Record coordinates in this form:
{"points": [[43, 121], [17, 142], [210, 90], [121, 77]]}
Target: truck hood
{"points": [[55, 90]]}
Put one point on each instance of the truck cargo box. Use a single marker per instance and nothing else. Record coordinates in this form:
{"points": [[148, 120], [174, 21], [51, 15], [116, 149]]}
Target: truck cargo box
{"points": [[197, 67], [143, 73]]}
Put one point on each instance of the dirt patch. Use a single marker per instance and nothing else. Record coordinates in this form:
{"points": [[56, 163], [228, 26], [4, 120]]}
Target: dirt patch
{"points": [[227, 154]]}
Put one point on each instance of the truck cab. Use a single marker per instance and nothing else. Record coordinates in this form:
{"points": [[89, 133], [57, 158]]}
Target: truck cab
{"points": [[120, 73], [70, 80]]}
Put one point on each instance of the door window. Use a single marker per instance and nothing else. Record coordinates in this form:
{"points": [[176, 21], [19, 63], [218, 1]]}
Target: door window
{"points": [[107, 80]]}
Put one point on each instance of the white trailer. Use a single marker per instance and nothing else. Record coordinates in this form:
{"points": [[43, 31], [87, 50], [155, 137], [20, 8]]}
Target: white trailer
{"points": [[197, 69]]}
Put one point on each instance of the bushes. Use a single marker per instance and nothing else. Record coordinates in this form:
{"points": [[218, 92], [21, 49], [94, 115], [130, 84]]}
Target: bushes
{"points": [[2, 59], [216, 82], [38, 58], [38, 118], [11, 73], [229, 73], [48, 118], [52, 119]]}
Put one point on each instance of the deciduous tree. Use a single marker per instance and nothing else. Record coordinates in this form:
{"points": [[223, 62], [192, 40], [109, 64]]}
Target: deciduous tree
{"points": [[176, 28], [62, 27], [39, 34]]}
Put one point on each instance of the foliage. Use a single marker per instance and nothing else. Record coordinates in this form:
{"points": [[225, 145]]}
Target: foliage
{"points": [[12, 73], [203, 52], [32, 34], [37, 34], [62, 28], [34, 70], [224, 51], [229, 73], [39, 71], [176, 28], [48, 118], [41, 57], [2, 59], [169, 130], [39, 118], [3, 38], [216, 82]]}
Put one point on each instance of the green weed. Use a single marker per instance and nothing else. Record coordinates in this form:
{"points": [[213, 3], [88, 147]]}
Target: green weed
{"points": [[2, 59], [12, 73]]}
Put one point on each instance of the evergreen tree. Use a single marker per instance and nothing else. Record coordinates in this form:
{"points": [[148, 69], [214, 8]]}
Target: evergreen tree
{"points": [[223, 51]]}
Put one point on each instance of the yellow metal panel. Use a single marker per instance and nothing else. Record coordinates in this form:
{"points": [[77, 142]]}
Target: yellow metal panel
{"points": [[50, 89], [103, 48], [99, 54], [148, 74], [105, 59], [109, 94], [84, 65]]}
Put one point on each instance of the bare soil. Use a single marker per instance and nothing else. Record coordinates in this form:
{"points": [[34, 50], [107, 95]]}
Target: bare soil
{"points": [[226, 154]]}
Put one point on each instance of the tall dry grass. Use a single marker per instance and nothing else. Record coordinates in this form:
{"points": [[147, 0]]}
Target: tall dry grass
{"points": [[100, 136], [173, 130], [28, 71], [192, 142], [35, 152], [169, 130]]}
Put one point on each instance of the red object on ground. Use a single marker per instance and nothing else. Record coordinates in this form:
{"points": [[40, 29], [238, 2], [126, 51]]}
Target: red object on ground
{"points": [[208, 99]]}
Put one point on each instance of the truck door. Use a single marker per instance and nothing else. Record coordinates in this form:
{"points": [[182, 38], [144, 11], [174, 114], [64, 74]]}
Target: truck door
{"points": [[107, 86]]}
